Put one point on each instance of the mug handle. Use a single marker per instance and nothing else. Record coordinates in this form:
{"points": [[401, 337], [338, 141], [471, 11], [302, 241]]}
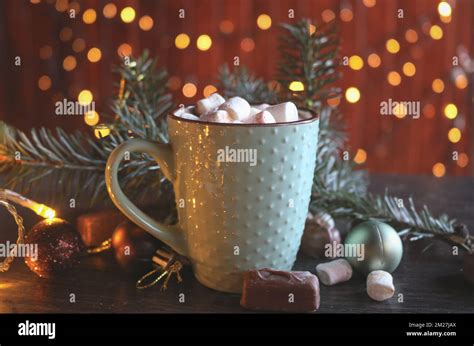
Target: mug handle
{"points": [[171, 235]]}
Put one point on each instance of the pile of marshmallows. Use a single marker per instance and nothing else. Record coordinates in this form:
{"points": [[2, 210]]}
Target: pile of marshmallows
{"points": [[379, 283], [237, 110]]}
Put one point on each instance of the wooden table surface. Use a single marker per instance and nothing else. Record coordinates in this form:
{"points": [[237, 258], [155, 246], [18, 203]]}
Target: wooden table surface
{"points": [[429, 282]]}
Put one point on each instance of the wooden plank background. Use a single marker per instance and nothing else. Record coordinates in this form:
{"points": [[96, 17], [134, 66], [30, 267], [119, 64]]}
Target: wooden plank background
{"points": [[405, 145]]}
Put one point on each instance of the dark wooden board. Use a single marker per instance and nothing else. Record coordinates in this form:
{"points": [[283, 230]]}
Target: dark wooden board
{"points": [[430, 281]]}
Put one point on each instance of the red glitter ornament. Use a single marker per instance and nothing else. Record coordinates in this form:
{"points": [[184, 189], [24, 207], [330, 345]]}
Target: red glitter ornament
{"points": [[57, 247]]}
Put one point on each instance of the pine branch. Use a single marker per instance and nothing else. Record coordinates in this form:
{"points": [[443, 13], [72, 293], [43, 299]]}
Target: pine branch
{"points": [[413, 224], [310, 58], [240, 82]]}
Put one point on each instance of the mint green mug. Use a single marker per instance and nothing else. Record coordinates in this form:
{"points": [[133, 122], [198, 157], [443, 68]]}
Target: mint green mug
{"points": [[242, 193]]}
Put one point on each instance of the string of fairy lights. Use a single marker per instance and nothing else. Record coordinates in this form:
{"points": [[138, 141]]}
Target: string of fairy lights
{"points": [[352, 94]]}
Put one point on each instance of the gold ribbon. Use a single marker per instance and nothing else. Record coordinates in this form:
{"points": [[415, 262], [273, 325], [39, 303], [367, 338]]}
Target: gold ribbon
{"points": [[168, 271]]}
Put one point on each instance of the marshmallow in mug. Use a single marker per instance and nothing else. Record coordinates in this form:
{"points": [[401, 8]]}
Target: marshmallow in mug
{"points": [[209, 103]]}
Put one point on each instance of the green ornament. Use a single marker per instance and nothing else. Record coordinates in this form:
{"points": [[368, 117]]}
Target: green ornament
{"points": [[379, 244]]}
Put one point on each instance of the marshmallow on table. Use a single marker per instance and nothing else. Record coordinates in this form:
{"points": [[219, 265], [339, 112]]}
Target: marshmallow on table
{"points": [[218, 116], [254, 111], [237, 107], [263, 117], [209, 103], [334, 272], [261, 107], [284, 112], [380, 285]]}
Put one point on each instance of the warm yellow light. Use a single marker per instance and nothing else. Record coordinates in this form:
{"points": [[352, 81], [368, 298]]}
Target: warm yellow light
{"points": [[69, 63], [444, 9], [124, 50], [454, 135], [101, 131], [44, 83], [226, 26], [360, 156], [346, 15], [109, 10], [209, 90], [44, 211], [296, 86], [78, 45], [461, 81], [182, 41], [91, 118], [369, 3], [334, 101], [394, 78], [247, 44], [436, 32], [437, 85], [312, 29], [204, 42], [411, 36], [328, 15], [356, 62], [85, 97], [352, 95], [439, 170], [89, 16], [264, 21], [400, 110], [392, 46], [463, 160], [451, 111], [127, 14], [94, 54], [409, 69], [145, 23], [446, 19], [373, 60], [189, 90]]}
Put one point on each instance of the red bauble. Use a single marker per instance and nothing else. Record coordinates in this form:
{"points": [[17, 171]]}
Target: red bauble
{"points": [[133, 247], [58, 247]]}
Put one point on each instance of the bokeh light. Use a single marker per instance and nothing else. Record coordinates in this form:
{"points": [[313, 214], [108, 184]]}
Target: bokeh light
{"points": [[461, 81], [91, 118], [444, 9], [101, 131], [69, 63], [127, 14], [189, 90], [110, 10], [247, 44], [328, 15], [409, 69], [360, 156], [85, 97], [209, 90], [44, 83], [392, 46], [352, 95], [204, 42], [463, 160], [394, 78], [124, 50], [296, 86], [226, 26], [369, 3], [346, 15], [437, 85], [454, 135], [374, 60], [78, 45], [65, 34], [145, 23], [439, 170], [94, 54], [264, 21], [451, 111], [411, 36], [182, 41], [356, 62], [436, 32], [89, 16]]}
